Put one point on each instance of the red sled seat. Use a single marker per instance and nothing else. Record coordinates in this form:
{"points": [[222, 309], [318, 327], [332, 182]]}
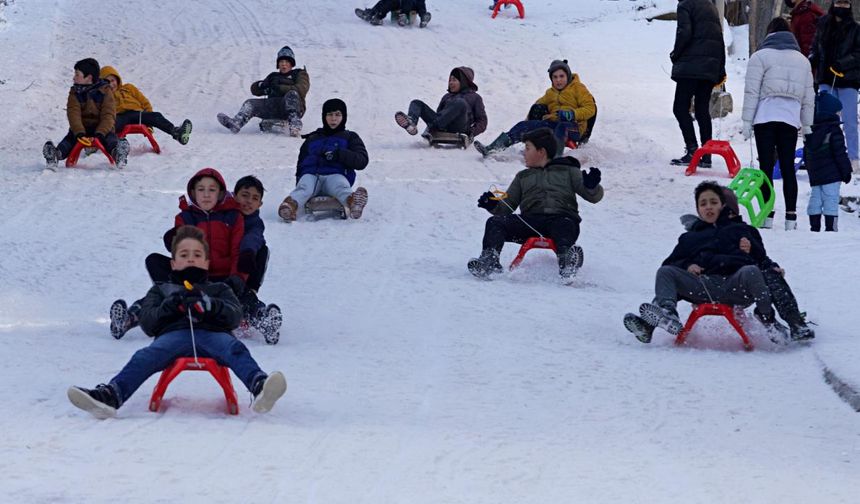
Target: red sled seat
{"points": [[75, 154], [722, 310], [140, 129], [717, 148], [516, 3], [220, 373], [534, 242]]}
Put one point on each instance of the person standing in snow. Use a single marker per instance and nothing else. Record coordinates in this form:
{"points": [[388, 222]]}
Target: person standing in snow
{"points": [[284, 105], [567, 107], [461, 109], [698, 65], [779, 99], [327, 164], [804, 18], [132, 107], [835, 56], [172, 312], [546, 194]]}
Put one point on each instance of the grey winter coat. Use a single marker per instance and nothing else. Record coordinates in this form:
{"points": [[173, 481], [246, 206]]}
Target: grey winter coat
{"points": [[778, 68]]}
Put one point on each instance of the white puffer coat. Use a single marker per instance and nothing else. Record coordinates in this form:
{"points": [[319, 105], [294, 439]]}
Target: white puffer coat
{"points": [[779, 69]]}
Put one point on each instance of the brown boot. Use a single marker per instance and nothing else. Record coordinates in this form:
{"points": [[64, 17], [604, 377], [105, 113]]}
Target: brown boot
{"points": [[289, 209], [356, 202]]}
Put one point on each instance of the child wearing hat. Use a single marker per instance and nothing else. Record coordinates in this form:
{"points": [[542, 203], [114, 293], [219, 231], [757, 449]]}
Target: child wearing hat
{"points": [[546, 194], [827, 163], [567, 108], [327, 164], [284, 106], [461, 109]]}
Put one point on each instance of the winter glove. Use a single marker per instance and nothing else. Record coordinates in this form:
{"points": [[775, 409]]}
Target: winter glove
{"points": [[537, 111], [672, 57], [566, 116], [591, 179], [262, 85], [746, 131], [332, 155], [197, 300], [172, 303], [247, 261], [487, 202]]}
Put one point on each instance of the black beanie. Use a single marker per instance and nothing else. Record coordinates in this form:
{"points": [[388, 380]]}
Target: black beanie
{"points": [[330, 106], [89, 66], [542, 138]]}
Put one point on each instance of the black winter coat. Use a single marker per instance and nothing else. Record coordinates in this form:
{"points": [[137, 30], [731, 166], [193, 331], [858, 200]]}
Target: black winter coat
{"points": [[699, 51], [716, 247], [824, 154], [843, 54], [158, 317]]}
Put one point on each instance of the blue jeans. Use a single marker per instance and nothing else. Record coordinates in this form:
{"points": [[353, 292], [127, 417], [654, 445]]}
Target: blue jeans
{"points": [[168, 347], [848, 98], [824, 199], [564, 131]]}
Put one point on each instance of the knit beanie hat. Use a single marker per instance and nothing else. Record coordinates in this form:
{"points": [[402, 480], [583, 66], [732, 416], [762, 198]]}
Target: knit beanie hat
{"points": [[88, 66], [826, 105], [287, 54], [562, 65], [331, 106], [542, 138]]}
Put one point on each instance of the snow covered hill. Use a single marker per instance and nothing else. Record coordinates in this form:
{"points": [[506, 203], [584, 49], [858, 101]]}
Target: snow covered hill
{"points": [[409, 381]]}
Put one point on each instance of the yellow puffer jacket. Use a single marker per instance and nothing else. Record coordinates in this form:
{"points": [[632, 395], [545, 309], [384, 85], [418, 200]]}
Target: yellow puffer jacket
{"points": [[127, 97], [575, 97]]}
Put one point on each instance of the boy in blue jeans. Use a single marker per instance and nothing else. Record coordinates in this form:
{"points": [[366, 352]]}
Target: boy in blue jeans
{"points": [[827, 163], [170, 311]]}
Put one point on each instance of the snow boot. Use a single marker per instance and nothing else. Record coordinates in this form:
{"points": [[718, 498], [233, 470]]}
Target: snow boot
{"points": [[123, 318], [637, 325], [569, 262], [182, 133], [501, 142], [101, 402], [768, 221], [356, 202], [406, 122], [801, 331], [776, 332], [815, 223], [402, 19], [664, 317], [485, 265], [289, 209], [120, 153], [235, 123], [830, 223], [270, 324], [229, 123], [52, 156], [294, 122], [364, 14], [425, 18], [790, 221], [267, 391], [274, 126], [686, 158]]}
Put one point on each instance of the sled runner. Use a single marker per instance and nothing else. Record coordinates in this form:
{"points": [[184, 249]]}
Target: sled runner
{"points": [[445, 139], [321, 207]]}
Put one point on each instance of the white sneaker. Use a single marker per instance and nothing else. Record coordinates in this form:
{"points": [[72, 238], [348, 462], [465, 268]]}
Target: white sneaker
{"points": [[273, 388], [790, 225]]}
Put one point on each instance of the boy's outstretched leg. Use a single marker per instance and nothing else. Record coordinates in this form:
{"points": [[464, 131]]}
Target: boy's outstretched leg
{"points": [[662, 314], [486, 264], [120, 153], [267, 391], [101, 402], [235, 123], [639, 327], [123, 318], [182, 133], [356, 202]]}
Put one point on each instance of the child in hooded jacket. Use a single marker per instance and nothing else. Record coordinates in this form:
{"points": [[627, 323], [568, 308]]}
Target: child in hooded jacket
{"points": [[327, 164], [132, 107]]}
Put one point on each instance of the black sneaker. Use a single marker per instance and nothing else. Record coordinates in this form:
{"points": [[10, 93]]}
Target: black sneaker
{"points": [[664, 318], [776, 332], [637, 325], [120, 153], [101, 402], [267, 391], [182, 133], [705, 161], [485, 265], [424, 20], [363, 14], [52, 155], [685, 159], [801, 332], [120, 321]]}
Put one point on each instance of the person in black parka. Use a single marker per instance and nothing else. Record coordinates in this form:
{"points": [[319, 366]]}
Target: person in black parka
{"points": [[698, 64]]}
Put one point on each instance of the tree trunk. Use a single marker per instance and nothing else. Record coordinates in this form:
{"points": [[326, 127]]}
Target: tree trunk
{"points": [[761, 13]]}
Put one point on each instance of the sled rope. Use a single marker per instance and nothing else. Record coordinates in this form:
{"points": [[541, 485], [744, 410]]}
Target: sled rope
{"points": [[500, 195], [702, 281], [188, 286]]}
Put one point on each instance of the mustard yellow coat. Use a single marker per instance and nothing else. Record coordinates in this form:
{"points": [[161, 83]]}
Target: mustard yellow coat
{"points": [[576, 97], [126, 97]]}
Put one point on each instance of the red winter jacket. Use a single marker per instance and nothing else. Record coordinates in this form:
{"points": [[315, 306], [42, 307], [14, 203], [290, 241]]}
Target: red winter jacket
{"points": [[223, 226], [804, 18]]}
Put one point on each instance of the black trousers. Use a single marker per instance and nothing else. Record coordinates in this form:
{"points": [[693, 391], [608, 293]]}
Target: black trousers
{"points": [[383, 7], [261, 263], [418, 6], [779, 138], [151, 119], [685, 90], [782, 297], [454, 118], [562, 229], [69, 140]]}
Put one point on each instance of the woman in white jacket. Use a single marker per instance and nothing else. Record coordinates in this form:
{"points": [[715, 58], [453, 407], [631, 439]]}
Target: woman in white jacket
{"points": [[778, 100]]}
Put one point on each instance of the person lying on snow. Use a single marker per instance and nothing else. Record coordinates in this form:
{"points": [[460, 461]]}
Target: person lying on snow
{"points": [[284, 106], [376, 14], [567, 108], [170, 312], [327, 164], [132, 107], [461, 109], [720, 259], [546, 194]]}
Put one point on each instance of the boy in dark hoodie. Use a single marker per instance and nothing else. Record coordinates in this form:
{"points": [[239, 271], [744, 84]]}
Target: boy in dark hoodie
{"points": [[213, 210], [91, 112], [284, 106], [826, 162], [461, 109], [546, 193], [185, 321], [327, 164]]}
